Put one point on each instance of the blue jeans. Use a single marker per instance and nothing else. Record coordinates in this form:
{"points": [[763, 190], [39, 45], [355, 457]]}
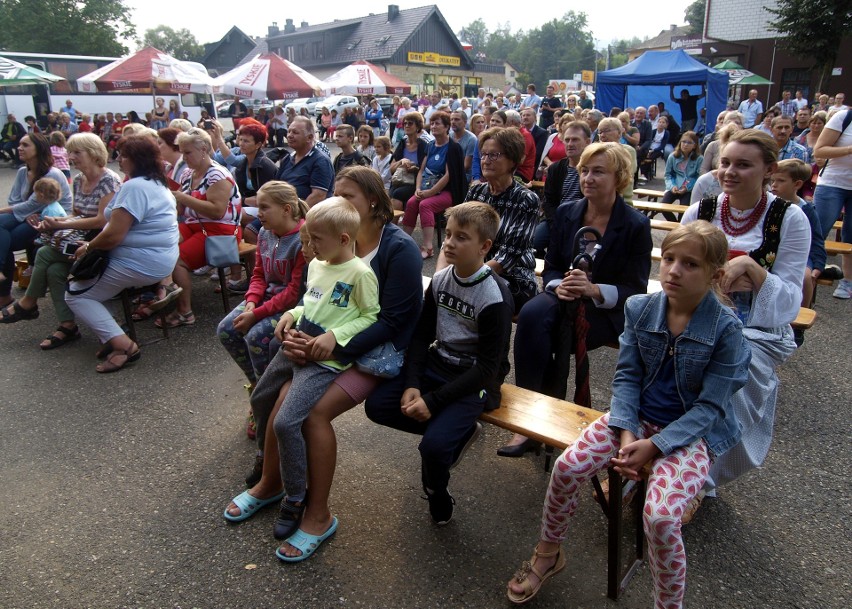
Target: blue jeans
{"points": [[829, 200], [14, 236]]}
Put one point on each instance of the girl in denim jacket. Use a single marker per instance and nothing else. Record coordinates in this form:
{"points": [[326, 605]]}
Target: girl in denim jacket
{"points": [[682, 356]]}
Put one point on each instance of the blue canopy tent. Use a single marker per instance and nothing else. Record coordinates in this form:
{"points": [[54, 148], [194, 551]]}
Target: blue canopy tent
{"points": [[647, 79]]}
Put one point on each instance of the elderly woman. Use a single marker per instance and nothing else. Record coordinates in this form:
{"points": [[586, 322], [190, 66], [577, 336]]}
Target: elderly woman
{"points": [[17, 231], [764, 281], [511, 255], [394, 258], [66, 125], [809, 137], [253, 171], [407, 159], [612, 130], [141, 237], [441, 182], [170, 152], [209, 200], [629, 133], [622, 264], [94, 188], [554, 147]]}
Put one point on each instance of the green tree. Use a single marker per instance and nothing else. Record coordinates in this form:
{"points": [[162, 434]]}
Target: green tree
{"points": [[502, 43], [74, 27], [694, 16], [558, 49], [476, 34], [813, 29], [180, 44]]}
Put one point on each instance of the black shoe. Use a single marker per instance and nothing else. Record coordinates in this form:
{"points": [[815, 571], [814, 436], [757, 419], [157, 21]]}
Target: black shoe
{"points": [[468, 442], [289, 517], [799, 336], [832, 272], [256, 473], [519, 450], [440, 506]]}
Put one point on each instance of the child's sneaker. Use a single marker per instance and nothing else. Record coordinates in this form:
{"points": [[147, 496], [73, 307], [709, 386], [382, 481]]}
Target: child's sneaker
{"points": [[843, 290], [440, 506]]}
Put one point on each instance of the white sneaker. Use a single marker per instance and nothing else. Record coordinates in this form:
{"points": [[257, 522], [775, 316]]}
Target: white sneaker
{"points": [[843, 290], [202, 271]]}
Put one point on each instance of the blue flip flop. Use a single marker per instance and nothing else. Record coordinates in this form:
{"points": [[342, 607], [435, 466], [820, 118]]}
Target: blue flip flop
{"points": [[250, 504], [306, 542]]}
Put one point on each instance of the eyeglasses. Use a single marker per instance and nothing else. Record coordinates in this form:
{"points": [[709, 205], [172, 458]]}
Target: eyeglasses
{"points": [[491, 156]]}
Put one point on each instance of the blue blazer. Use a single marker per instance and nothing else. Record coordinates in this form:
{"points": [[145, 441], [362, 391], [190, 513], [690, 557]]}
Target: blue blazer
{"points": [[624, 259]]}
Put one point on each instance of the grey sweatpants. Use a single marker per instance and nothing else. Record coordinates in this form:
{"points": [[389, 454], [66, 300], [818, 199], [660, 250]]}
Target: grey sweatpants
{"points": [[309, 384], [278, 372]]}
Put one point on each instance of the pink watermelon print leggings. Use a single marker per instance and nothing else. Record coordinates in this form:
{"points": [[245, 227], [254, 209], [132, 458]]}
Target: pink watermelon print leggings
{"points": [[674, 480]]}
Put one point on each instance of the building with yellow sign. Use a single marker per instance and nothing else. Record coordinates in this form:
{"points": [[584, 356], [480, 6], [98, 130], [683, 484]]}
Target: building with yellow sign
{"points": [[416, 45]]}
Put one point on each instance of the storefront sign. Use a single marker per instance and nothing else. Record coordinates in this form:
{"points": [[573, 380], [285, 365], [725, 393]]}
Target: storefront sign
{"points": [[434, 59]]}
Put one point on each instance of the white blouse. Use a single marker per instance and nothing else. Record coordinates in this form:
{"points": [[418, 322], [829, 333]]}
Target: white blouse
{"points": [[778, 301]]}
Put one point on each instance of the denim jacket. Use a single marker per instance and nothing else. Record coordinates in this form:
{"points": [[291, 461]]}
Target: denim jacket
{"points": [[711, 360]]}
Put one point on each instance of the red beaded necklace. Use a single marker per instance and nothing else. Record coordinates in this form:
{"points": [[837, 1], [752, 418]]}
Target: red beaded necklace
{"points": [[746, 224]]}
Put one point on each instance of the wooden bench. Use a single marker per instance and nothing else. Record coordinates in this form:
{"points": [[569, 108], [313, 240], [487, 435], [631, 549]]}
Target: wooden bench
{"points": [[649, 209], [558, 424], [647, 193]]}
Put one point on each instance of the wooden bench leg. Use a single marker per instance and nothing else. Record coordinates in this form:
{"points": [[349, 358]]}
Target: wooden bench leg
{"points": [[223, 285], [616, 583]]}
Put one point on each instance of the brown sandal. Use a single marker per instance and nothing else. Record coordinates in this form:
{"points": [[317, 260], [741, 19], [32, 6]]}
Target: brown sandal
{"points": [[111, 365], [692, 507], [522, 575]]}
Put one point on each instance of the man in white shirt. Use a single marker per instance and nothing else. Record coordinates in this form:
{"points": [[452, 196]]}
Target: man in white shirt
{"points": [[751, 109], [532, 100]]}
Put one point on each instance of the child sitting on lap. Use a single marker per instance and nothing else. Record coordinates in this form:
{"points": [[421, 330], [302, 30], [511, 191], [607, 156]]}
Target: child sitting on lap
{"points": [[458, 356], [47, 192], [682, 356], [342, 299]]}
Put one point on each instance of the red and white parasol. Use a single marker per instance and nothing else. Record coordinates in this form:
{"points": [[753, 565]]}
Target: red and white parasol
{"points": [[364, 78], [147, 69], [268, 76]]}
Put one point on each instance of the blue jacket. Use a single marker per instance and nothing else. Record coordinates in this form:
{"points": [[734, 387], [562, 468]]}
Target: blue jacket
{"points": [[676, 177], [711, 360]]}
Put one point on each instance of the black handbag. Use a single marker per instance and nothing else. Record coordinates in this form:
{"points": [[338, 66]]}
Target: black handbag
{"points": [[91, 266]]}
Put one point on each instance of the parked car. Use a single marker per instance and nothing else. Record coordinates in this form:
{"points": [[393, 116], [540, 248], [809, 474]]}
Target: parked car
{"points": [[336, 102], [304, 102]]}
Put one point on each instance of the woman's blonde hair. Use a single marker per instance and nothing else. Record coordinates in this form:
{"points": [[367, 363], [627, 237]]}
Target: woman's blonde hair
{"points": [[617, 158], [713, 244], [90, 144], [282, 193], [198, 138]]}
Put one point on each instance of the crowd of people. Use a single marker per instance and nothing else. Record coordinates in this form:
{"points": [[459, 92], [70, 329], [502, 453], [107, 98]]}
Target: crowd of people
{"points": [[334, 312]]}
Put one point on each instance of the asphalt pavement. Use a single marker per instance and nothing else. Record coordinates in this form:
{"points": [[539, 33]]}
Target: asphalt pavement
{"points": [[114, 487]]}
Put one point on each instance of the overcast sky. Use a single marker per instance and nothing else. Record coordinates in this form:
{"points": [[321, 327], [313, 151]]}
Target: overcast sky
{"points": [[211, 19]]}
